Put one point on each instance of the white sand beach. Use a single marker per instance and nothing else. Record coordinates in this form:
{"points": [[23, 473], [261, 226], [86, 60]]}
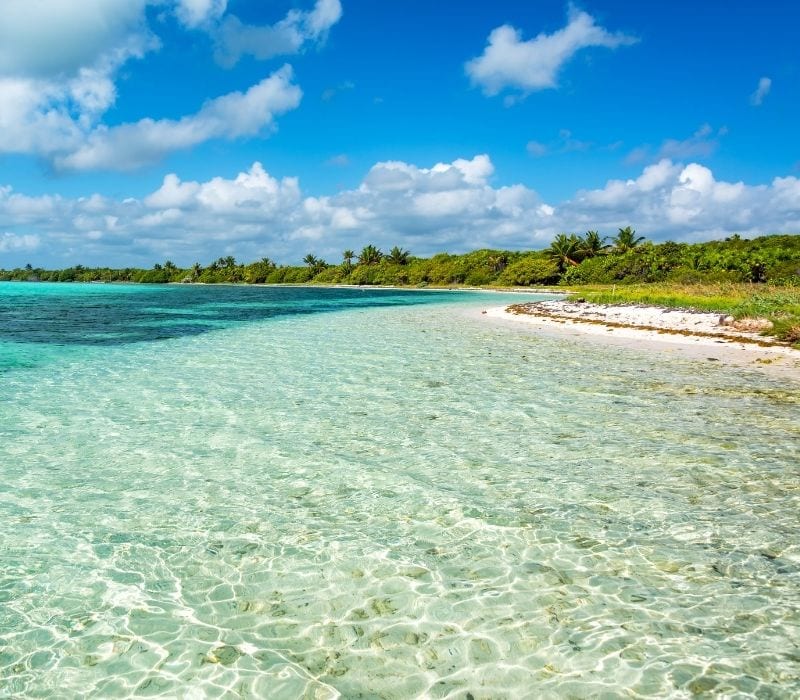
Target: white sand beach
{"points": [[687, 333]]}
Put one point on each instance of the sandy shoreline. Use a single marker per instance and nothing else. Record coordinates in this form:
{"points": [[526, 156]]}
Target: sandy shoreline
{"points": [[694, 335]]}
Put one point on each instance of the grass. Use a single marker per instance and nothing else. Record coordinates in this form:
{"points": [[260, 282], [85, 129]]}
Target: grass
{"points": [[781, 305]]}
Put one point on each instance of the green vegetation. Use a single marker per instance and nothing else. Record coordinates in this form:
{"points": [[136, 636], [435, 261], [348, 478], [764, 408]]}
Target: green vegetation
{"points": [[778, 304], [758, 277]]}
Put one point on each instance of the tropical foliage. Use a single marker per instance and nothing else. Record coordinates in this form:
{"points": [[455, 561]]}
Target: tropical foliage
{"points": [[570, 260], [626, 240], [758, 277], [370, 255], [564, 251]]}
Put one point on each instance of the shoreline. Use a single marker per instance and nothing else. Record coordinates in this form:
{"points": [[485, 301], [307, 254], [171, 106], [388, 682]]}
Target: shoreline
{"points": [[404, 288], [676, 332], [311, 285]]}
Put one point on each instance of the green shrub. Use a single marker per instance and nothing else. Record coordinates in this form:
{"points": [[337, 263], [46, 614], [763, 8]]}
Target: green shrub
{"points": [[529, 270]]}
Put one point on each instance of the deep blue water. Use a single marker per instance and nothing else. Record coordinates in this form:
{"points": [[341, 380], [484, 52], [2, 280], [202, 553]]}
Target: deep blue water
{"points": [[45, 322], [95, 314]]}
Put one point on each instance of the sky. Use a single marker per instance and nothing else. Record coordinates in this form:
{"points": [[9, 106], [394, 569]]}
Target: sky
{"points": [[140, 131]]}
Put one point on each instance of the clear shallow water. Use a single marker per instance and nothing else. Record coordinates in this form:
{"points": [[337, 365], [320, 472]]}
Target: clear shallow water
{"points": [[393, 501], [36, 318]]}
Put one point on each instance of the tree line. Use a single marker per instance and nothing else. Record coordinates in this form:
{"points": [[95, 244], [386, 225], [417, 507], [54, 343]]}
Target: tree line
{"points": [[570, 259]]}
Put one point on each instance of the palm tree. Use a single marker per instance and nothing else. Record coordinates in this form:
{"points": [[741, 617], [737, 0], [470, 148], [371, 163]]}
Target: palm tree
{"points": [[347, 257], [197, 270], [398, 256], [226, 262], [498, 262], [592, 244], [564, 250], [626, 240], [314, 263], [370, 255]]}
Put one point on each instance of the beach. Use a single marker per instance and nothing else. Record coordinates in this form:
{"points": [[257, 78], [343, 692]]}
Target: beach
{"points": [[679, 332]]}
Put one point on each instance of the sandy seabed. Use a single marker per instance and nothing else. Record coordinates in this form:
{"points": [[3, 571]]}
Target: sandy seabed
{"points": [[676, 332]]}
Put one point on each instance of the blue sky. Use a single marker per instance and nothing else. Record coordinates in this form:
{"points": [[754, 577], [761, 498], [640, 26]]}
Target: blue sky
{"points": [[144, 130]]}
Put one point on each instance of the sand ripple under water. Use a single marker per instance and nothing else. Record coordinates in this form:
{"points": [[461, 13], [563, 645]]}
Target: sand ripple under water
{"points": [[394, 503]]}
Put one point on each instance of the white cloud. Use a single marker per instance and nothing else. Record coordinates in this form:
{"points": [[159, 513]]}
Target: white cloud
{"points": [[448, 206], [569, 144], [703, 143], [290, 35], [329, 93], [764, 86], [196, 13], [670, 200], [11, 242], [236, 114], [566, 143], [325, 14], [341, 160], [397, 175], [528, 66], [173, 193], [60, 60], [49, 39], [536, 149]]}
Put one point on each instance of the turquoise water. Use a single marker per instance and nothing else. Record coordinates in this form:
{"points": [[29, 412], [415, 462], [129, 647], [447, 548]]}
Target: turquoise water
{"points": [[346, 493]]}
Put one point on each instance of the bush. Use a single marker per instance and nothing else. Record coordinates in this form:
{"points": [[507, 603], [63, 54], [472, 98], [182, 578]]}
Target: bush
{"points": [[297, 275], [478, 278], [590, 271], [330, 275], [683, 275], [531, 269]]}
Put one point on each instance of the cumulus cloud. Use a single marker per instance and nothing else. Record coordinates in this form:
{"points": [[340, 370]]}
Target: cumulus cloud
{"points": [[510, 62], [233, 115], [447, 206], [764, 86], [50, 39], [254, 189], [196, 13], [669, 200], [60, 60], [11, 242], [290, 35]]}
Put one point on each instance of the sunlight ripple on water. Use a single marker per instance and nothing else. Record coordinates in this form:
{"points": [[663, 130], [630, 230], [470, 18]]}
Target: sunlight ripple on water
{"points": [[391, 501]]}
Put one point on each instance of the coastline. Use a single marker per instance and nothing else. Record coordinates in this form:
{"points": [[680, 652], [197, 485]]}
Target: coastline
{"points": [[679, 333]]}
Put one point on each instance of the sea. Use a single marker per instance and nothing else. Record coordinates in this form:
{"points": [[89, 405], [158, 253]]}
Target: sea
{"points": [[293, 492]]}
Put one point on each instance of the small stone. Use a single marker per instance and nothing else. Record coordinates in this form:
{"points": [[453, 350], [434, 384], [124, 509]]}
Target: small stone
{"points": [[224, 655]]}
